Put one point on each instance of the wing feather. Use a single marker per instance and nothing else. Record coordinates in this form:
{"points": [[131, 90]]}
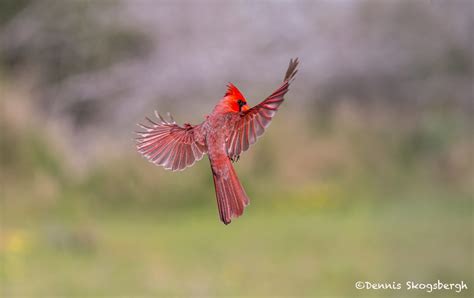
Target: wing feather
{"points": [[253, 122], [169, 145]]}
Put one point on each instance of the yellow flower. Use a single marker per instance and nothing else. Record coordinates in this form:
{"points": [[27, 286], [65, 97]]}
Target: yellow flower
{"points": [[16, 242]]}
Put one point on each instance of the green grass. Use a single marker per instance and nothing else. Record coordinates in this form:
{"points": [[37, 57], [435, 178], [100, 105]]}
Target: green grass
{"points": [[269, 252]]}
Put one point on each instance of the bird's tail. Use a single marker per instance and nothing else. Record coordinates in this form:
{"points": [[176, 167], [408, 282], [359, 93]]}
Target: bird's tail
{"points": [[231, 197]]}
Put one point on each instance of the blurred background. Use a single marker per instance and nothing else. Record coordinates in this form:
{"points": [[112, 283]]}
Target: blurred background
{"points": [[366, 173]]}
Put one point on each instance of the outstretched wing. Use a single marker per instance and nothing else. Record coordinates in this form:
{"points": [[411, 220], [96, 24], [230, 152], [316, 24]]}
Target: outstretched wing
{"points": [[253, 122], [169, 145]]}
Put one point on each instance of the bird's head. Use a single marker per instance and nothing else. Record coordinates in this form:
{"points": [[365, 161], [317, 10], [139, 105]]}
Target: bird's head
{"points": [[234, 100]]}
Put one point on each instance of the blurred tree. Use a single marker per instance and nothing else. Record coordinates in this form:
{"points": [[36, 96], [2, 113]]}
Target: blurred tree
{"points": [[9, 8], [58, 40]]}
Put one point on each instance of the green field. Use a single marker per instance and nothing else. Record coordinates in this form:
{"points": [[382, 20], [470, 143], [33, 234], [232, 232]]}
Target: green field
{"points": [[269, 252], [283, 246]]}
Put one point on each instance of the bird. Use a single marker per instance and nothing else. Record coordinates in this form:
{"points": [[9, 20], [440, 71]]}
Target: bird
{"points": [[226, 132]]}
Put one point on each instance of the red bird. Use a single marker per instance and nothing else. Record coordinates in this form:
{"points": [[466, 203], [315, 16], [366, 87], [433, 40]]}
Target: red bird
{"points": [[228, 131]]}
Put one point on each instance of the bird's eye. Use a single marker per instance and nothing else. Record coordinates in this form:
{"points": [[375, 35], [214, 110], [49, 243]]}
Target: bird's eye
{"points": [[241, 102]]}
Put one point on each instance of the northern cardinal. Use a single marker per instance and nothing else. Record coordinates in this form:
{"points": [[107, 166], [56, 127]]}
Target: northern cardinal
{"points": [[225, 133]]}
